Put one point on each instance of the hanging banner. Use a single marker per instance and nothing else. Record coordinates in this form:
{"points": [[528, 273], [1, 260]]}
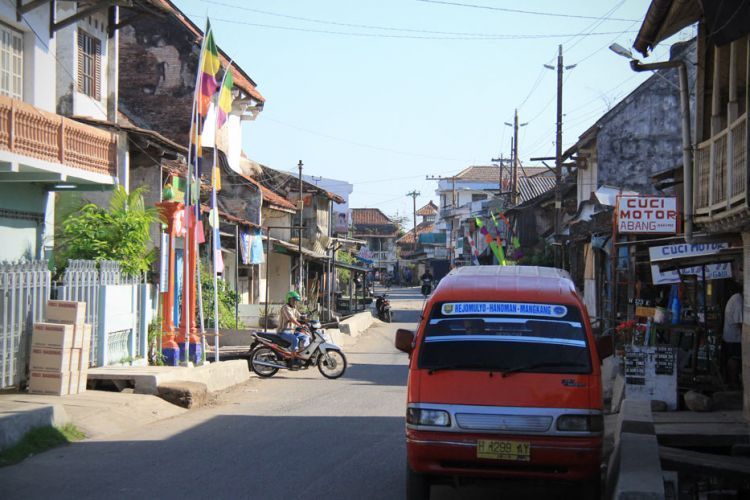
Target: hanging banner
{"points": [[713, 272], [646, 215], [164, 264], [665, 253]]}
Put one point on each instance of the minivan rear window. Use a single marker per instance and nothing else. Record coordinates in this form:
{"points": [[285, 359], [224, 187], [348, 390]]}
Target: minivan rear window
{"points": [[505, 337]]}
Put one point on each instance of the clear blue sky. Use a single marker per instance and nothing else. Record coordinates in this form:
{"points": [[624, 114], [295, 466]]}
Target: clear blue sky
{"points": [[381, 93]]}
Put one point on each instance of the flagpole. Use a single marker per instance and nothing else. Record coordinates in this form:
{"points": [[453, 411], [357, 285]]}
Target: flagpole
{"points": [[187, 278], [216, 240]]}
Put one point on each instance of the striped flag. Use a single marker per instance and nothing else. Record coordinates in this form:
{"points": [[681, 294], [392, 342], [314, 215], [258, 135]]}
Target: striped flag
{"points": [[225, 99], [209, 66]]}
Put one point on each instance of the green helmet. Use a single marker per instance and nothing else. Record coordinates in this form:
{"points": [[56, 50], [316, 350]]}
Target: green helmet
{"points": [[293, 295]]}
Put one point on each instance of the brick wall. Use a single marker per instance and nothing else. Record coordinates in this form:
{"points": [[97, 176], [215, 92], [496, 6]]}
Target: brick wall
{"points": [[158, 64]]}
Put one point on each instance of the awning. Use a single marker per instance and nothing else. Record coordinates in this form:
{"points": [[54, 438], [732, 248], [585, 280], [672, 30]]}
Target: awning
{"points": [[351, 267], [720, 257], [293, 248]]}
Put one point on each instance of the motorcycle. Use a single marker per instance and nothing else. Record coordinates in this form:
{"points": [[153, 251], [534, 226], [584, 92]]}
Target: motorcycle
{"points": [[426, 286], [271, 354], [383, 308]]}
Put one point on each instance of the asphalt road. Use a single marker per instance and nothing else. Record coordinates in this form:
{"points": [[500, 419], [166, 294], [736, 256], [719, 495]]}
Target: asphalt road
{"points": [[296, 435]]}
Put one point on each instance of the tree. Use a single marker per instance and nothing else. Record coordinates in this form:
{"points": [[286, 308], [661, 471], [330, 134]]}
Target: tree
{"points": [[119, 233]]}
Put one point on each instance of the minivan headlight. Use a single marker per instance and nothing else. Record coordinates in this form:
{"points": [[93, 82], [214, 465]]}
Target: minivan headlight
{"points": [[580, 423], [421, 416]]}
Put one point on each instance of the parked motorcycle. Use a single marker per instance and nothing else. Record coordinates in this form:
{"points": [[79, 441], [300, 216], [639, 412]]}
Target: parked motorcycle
{"points": [[426, 287], [383, 308], [271, 354]]}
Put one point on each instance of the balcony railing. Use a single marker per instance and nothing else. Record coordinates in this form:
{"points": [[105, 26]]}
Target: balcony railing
{"points": [[29, 131], [721, 165]]}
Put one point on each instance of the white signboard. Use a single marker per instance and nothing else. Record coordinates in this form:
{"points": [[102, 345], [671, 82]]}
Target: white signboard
{"points": [[713, 272], [646, 215], [668, 252]]}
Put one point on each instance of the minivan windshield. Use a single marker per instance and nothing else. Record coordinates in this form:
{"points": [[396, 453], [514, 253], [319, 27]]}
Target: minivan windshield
{"points": [[507, 337]]}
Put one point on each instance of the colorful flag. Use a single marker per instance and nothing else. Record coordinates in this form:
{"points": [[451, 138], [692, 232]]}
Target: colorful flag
{"points": [[209, 66], [225, 99]]}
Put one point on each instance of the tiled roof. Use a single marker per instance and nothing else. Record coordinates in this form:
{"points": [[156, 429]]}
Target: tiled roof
{"points": [[491, 173], [429, 209], [369, 216], [371, 222], [422, 227]]}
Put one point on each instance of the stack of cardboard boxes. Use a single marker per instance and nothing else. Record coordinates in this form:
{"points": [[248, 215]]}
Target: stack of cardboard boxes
{"points": [[60, 350]]}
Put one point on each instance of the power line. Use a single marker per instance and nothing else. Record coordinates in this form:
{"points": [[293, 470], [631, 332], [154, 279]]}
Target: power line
{"points": [[540, 36], [519, 11], [361, 144], [350, 25]]}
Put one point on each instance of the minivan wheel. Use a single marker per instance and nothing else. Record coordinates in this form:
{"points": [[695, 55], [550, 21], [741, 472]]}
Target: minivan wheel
{"points": [[591, 490], [417, 485]]}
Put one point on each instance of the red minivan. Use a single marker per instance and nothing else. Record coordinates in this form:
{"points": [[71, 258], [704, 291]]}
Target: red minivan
{"points": [[504, 381]]}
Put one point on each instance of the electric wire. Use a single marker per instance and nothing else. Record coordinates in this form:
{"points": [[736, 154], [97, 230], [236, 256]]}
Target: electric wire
{"points": [[537, 36], [519, 11]]}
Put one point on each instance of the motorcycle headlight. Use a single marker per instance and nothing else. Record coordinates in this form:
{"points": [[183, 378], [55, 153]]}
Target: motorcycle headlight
{"points": [[421, 416], [580, 423]]}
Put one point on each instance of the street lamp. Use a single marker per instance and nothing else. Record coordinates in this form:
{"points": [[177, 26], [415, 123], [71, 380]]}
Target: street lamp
{"points": [[621, 51], [687, 146]]}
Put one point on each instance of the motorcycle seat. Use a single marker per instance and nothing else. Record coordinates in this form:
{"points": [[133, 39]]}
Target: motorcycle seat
{"points": [[273, 337]]}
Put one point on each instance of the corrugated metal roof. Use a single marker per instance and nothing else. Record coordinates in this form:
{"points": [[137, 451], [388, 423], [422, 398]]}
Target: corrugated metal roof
{"points": [[531, 187]]}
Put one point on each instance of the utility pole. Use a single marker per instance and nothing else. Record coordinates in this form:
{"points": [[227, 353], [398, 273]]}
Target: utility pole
{"points": [[514, 162], [558, 156], [414, 195], [301, 206]]}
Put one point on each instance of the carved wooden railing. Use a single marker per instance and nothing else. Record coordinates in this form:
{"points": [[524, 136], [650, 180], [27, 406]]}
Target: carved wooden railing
{"points": [[29, 131], [720, 176]]}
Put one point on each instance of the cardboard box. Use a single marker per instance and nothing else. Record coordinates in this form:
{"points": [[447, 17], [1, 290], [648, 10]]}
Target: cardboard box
{"points": [[82, 379], [55, 383], [52, 335], [66, 311], [82, 336], [73, 382], [50, 359], [83, 364], [75, 359]]}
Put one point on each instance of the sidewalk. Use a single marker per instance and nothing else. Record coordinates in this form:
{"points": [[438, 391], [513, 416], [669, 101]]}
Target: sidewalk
{"points": [[102, 413]]}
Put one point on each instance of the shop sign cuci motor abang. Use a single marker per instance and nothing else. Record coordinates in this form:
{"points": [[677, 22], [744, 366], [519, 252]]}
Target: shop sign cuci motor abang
{"points": [[646, 215]]}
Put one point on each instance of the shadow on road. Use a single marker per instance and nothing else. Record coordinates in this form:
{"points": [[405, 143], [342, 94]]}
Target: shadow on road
{"points": [[378, 374], [228, 456]]}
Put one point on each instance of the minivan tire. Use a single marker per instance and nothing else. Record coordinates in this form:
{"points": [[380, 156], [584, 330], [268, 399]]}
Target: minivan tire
{"points": [[591, 490], [417, 485]]}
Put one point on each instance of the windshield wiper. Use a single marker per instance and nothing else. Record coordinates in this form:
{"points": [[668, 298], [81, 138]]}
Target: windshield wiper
{"points": [[455, 366], [549, 364]]}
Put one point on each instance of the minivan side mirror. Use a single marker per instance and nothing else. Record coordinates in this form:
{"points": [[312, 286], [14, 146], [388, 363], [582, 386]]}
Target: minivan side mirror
{"points": [[404, 340]]}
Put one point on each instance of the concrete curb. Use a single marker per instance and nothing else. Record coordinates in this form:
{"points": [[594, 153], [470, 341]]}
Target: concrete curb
{"points": [[634, 470], [18, 419], [357, 324], [216, 376]]}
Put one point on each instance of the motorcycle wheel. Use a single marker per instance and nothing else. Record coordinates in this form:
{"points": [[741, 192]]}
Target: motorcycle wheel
{"points": [[264, 354], [332, 364], [388, 316]]}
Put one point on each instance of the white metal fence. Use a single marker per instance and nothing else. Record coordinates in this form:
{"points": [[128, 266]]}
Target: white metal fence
{"points": [[83, 282], [24, 289]]}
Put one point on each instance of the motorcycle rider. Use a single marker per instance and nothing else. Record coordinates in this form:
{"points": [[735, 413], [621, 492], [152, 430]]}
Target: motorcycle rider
{"points": [[289, 320], [426, 279]]}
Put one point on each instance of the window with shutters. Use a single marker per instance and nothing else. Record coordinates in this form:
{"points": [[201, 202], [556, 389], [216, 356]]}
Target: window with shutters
{"points": [[89, 65], [11, 62]]}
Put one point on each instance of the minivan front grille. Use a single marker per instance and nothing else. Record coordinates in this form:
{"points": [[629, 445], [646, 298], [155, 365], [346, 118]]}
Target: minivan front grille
{"points": [[512, 423]]}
